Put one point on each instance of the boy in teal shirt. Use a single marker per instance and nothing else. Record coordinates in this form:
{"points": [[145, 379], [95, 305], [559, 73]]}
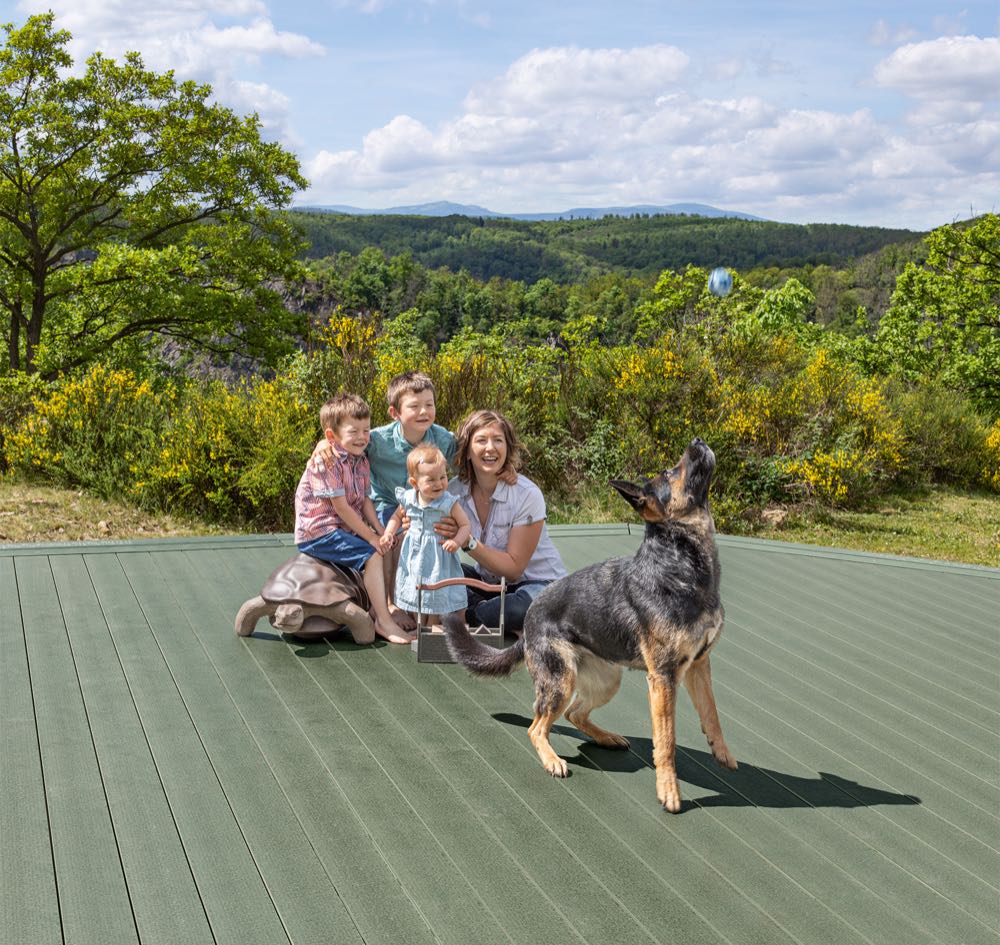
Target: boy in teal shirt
{"points": [[412, 408]]}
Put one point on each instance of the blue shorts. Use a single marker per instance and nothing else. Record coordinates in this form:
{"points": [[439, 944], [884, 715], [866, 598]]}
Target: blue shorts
{"points": [[340, 547]]}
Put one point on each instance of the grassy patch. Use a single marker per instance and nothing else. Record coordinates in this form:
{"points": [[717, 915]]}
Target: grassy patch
{"points": [[44, 513], [942, 524]]}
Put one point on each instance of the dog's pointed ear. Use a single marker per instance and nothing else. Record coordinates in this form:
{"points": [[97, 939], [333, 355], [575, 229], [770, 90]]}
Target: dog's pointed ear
{"points": [[641, 498], [631, 492]]}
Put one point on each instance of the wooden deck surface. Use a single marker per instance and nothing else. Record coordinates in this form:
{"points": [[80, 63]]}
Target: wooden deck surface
{"points": [[162, 781]]}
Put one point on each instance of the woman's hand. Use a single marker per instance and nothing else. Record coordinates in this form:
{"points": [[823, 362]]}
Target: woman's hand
{"points": [[446, 527]]}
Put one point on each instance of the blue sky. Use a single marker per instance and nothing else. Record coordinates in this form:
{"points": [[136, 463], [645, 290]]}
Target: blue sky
{"points": [[875, 112]]}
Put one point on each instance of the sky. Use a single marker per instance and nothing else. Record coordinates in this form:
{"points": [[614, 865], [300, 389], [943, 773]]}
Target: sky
{"points": [[876, 112]]}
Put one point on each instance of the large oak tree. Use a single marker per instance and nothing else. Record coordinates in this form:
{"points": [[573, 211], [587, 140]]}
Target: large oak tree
{"points": [[132, 210]]}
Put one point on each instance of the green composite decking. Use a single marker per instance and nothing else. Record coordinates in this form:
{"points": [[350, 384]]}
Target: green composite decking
{"points": [[162, 781]]}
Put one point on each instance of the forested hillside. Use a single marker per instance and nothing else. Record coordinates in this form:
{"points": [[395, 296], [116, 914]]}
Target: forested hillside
{"points": [[571, 250]]}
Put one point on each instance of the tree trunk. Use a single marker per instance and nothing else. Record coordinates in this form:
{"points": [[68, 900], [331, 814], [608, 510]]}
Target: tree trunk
{"points": [[34, 334], [14, 344]]}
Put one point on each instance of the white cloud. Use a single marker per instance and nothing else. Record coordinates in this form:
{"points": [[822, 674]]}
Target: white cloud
{"points": [[949, 68], [565, 78], [569, 126], [184, 35]]}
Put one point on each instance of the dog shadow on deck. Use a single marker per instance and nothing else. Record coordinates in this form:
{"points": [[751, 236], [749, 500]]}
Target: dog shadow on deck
{"points": [[748, 786]]}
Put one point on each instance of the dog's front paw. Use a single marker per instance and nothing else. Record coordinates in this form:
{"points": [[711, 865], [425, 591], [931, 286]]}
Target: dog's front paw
{"points": [[724, 756], [669, 795], [557, 768]]}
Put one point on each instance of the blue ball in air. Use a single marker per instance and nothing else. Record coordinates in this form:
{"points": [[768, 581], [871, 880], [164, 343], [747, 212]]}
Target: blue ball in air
{"points": [[720, 282]]}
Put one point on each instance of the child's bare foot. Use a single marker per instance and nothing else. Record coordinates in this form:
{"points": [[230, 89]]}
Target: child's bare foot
{"points": [[389, 631], [401, 618]]}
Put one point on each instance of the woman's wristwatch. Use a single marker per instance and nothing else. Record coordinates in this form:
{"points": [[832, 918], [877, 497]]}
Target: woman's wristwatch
{"points": [[470, 545]]}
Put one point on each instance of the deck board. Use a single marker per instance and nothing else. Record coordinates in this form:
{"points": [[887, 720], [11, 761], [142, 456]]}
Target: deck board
{"points": [[234, 897], [163, 781], [94, 902], [29, 904], [151, 851]]}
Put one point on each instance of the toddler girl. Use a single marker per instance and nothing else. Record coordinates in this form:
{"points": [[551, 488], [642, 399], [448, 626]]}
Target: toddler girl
{"points": [[423, 557]]}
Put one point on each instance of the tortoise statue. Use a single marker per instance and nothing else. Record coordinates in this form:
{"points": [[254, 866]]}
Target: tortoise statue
{"points": [[309, 598]]}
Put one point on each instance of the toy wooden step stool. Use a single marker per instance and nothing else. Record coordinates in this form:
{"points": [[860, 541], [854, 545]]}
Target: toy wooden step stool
{"points": [[431, 646]]}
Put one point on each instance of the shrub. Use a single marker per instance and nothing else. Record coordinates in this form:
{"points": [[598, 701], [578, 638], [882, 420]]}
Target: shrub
{"points": [[946, 441], [233, 454], [95, 431], [17, 395]]}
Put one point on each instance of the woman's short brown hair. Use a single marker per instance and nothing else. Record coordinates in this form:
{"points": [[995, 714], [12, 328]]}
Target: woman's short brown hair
{"points": [[471, 425]]}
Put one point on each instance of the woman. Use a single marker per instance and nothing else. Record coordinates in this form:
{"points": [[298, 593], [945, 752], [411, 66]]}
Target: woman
{"points": [[509, 537]]}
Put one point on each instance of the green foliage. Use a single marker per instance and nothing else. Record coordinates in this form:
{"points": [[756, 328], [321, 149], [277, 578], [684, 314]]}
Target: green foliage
{"points": [[96, 431], [232, 454], [947, 440], [610, 377], [17, 395], [575, 250], [944, 319], [132, 210]]}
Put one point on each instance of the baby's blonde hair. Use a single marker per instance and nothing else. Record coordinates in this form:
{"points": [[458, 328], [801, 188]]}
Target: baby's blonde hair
{"points": [[423, 456]]}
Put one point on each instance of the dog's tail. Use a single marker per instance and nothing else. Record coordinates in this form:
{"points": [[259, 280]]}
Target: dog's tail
{"points": [[477, 657]]}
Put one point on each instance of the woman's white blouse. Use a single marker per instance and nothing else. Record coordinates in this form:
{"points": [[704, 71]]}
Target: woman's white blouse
{"points": [[519, 504]]}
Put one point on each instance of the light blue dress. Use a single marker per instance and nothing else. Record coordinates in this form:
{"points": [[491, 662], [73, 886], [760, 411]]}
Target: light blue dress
{"points": [[422, 560]]}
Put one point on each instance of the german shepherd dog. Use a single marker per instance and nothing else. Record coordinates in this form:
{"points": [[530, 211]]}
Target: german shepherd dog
{"points": [[658, 611]]}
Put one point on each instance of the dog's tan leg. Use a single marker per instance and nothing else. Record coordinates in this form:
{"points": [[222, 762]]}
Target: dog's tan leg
{"points": [[698, 680], [555, 679], [662, 701], [596, 683], [539, 735], [699, 685]]}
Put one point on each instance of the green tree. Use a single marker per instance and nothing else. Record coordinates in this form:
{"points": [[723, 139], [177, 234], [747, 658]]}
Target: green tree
{"points": [[944, 318], [132, 211]]}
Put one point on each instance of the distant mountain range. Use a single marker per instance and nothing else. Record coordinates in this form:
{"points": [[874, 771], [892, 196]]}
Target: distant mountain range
{"points": [[443, 208]]}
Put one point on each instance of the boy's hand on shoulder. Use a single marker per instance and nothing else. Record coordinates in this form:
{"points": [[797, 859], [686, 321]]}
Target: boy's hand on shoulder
{"points": [[322, 457], [509, 476]]}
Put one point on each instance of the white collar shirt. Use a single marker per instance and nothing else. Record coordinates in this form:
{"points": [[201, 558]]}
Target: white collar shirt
{"points": [[510, 506]]}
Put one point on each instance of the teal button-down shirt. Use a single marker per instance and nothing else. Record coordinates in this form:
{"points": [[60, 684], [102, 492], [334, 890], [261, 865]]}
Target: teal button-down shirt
{"points": [[387, 452]]}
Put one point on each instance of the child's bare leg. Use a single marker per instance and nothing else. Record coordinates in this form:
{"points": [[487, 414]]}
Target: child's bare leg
{"points": [[434, 622], [385, 626], [403, 619]]}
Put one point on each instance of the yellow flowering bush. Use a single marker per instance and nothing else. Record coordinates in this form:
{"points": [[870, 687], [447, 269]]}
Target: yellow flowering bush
{"points": [[787, 415], [233, 454], [833, 476], [18, 393], [95, 431], [991, 468]]}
